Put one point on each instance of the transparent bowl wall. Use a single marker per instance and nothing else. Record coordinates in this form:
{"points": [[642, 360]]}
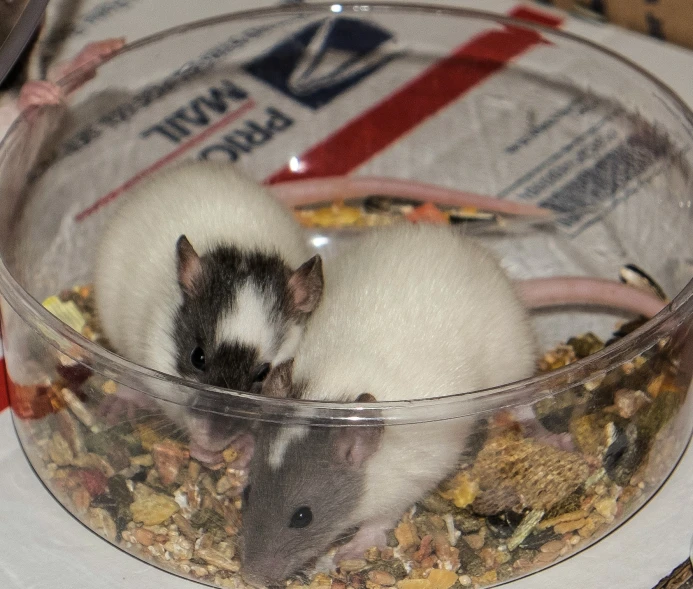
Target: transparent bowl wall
{"points": [[618, 183]]}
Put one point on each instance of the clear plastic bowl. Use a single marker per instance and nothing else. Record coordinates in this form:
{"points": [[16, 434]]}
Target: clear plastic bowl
{"points": [[455, 98]]}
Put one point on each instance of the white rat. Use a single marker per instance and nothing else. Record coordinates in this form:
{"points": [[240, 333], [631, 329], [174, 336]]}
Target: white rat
{"points": [[202, 274], [408, 312]]}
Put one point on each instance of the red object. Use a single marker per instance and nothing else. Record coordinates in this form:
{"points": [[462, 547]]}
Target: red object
{"points": [[535, 16], [437, 87], [4, 399], [30, 402], [427, 213]]}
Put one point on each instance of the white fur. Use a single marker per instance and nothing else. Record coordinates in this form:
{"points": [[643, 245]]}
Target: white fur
{"points": [[249, 322], [413, 312], [289, 345], [135, 271], [281, 443]]}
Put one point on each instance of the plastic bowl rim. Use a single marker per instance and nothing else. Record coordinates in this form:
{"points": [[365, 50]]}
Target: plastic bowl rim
{"points": [[479, 402]]}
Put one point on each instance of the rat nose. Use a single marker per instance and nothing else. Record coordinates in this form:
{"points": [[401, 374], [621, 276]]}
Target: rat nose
{"points": [[263, 570], [253, 580]]}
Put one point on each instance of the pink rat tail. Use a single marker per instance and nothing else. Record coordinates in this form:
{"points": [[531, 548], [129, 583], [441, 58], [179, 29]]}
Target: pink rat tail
{"points": [[538, 293], [316, 190]]}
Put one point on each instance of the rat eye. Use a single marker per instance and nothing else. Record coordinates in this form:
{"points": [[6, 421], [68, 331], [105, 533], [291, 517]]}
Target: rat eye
{"points": [[197, 357], [301, 517], [261, 372]]}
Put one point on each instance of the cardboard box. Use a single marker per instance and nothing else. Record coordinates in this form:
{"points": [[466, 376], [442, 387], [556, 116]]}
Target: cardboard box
{"points": [[669, 20]]}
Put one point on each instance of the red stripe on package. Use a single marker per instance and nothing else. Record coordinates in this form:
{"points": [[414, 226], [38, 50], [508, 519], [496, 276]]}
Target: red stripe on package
{"points": [[384, 123], [437, 87], [167, 159], [4, 399], [538, 17]]}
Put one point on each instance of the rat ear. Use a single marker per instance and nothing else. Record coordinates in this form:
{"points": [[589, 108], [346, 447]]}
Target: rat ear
{"points": [[277, 383], [305, 286], [355, 444], [189, 265]]}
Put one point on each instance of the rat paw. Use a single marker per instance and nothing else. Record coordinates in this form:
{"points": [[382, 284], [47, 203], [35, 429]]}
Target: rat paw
{"points": [[204, 455], [123, 405], [535, 430], [39, 93], [207, 450], [244, 444], [83, 66], [95, 54], [369, 535], [113, 411], [560, 441], [531, 427]]}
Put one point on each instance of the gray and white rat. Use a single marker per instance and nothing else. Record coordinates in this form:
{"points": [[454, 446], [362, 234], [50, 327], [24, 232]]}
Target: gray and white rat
{"points": [[408, 312], [202, 274]]}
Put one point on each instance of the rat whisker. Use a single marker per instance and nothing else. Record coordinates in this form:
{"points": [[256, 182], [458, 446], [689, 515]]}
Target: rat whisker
{"points": [[303, 576], [164, 427], [147, 416], [347, 536]]}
